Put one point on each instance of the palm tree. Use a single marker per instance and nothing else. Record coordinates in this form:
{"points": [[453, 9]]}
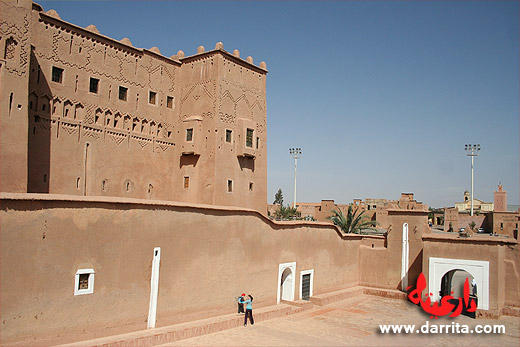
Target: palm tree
{"points": [[352, 224], [286, 212]]}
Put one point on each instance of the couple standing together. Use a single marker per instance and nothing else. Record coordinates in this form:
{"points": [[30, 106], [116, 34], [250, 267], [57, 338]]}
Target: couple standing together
{"points": [[249, 308]]}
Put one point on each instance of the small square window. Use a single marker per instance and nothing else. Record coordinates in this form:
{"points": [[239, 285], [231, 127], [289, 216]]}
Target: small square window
{"points": [[151, 97], [228, 135], [94, 85], [169, 101], [84, 282], [57, 74], [230, 186], [123, 93], [249, 138], [186, 181], [189, 134], [250, 186]]}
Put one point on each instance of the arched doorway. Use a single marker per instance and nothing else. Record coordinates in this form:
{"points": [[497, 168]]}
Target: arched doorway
{"points": [[477, 269], [452, 287], [286, 281], [286, 284], [452, 283]]}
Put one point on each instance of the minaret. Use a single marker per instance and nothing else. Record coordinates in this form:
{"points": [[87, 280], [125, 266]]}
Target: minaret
{"points": [[500, 199]]}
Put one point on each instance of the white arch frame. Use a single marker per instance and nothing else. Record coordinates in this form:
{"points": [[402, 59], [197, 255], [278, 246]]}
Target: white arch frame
{"points": [[281, 268], [479, 269]]}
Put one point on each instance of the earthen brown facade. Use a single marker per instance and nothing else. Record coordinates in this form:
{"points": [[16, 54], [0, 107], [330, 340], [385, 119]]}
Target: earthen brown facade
{"points": [[94, 116]]}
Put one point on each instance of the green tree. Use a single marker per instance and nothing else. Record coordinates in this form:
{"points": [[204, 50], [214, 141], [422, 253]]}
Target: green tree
{"points": [[472, 225], [286, 212], [352, 223], [278, 197]]}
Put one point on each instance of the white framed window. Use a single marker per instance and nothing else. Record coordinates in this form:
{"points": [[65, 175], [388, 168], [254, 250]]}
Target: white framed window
{"points": [[84, 282]]}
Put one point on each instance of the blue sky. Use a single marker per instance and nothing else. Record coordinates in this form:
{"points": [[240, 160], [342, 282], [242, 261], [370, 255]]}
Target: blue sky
{"points": [[380, 95]]}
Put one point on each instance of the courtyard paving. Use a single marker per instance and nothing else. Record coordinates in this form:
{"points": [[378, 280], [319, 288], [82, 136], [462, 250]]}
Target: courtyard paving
{"points": [[355, 322]]}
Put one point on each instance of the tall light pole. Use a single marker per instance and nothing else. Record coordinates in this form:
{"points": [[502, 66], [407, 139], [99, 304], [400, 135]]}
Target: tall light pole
{"points": [[295, 153], [472, 151]]}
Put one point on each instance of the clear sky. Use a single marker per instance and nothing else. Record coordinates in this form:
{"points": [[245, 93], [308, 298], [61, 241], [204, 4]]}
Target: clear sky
{"points": [[380, 95]]}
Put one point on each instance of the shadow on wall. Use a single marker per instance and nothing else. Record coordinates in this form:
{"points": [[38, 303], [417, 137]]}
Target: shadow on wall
{"points": [[246, 163], [190, 159], [39, 132], [414, 271]]}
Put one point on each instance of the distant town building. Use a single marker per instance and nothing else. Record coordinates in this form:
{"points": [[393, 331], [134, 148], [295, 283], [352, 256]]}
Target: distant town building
{"points": [[478, 205]]}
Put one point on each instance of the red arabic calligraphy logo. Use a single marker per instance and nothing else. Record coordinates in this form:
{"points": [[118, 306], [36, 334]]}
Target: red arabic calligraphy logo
{"points": [[445, 307]]}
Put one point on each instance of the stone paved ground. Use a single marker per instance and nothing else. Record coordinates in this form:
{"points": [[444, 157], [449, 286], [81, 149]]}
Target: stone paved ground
{"points": [[355, 322]]}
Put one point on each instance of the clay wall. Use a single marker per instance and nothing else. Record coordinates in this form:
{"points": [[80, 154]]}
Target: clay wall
{"points": [[504, 223], [100, 117], [87, 140], [208, 256], [380, 265], [15, 49], [502, 255]]}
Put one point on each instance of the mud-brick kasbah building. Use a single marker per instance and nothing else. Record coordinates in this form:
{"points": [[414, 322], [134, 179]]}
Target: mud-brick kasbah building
{"points": [[134, 196]]}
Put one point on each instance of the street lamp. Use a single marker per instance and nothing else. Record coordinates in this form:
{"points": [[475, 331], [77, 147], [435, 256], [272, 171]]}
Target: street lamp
{"points": [[472, 151], [295, 153]]}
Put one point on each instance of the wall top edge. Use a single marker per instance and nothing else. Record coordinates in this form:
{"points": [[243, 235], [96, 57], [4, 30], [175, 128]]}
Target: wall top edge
{"points": [[83, 31], [227, 55], [5, 196], [473, 239]]}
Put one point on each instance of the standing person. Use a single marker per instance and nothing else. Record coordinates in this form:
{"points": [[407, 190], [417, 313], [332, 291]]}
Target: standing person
{"points": [[240, 304], [249, 310]]}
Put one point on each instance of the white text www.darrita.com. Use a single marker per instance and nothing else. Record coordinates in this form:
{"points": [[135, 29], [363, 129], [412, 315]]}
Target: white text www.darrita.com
{"points": [[453, 328]]}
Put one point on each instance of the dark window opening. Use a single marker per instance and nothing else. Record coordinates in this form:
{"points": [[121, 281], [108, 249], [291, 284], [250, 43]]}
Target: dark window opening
{"points": [[257, 142], [249, 138], [189, 134], [250, 186], [94, 85], [123, 93], [169, 102], [57, 74], [228, 135], [83, 281], [186, 182], [151, 98], [230, 186]]}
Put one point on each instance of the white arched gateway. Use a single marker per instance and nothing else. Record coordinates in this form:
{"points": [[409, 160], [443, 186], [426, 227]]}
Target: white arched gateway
{"points": [[438, 267], [286, 282]]}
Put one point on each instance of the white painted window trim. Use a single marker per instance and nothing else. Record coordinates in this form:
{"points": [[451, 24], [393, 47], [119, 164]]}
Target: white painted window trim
{"points": [[281, 268], [90, 288], [479, 269], [306, 272]]}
